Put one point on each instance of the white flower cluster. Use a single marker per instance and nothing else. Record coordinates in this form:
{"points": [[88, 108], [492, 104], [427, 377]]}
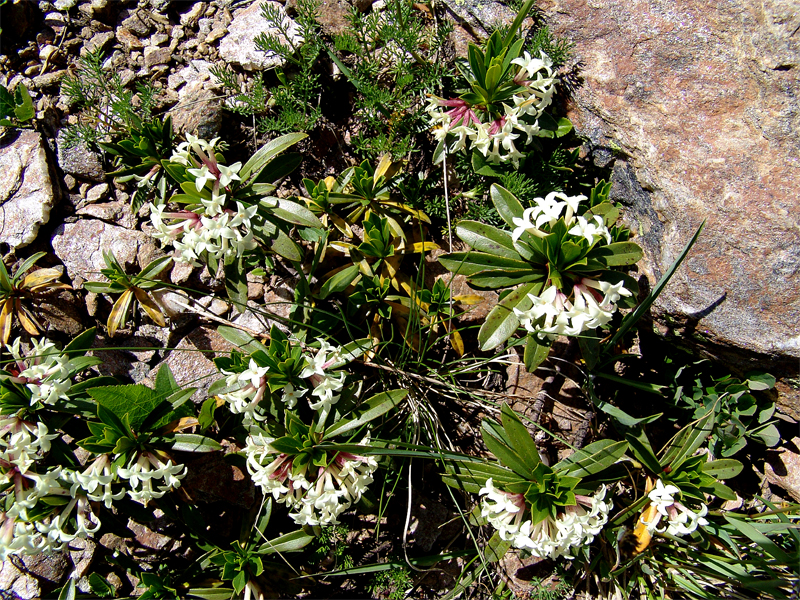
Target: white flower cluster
{"points": [[22, 445], [253, 382], [44, 372], [215, 231], [680, 519], [495, 138], [210, 228], [149, 469], [552, 537], [316, 495], [593, 302]]}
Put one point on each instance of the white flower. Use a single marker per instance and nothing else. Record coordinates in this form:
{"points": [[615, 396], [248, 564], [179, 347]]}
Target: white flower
{"points": [[201, 175], [316, 495], [680, 519], [532, 65], [141, 476], [325, 389], [214, 206], [229, 174], [591, 231], [291, 395]]}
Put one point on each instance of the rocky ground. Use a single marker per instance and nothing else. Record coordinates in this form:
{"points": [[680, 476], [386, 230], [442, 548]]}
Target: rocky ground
{"points": [[59, 200]]}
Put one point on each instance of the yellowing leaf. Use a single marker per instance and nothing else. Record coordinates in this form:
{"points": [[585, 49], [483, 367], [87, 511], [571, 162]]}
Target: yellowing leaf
{"points": [[40, 278], [28, 323], [5, 319], [119, 312], [180, 425], [457, 343], [469, 299], [150, 307], [641, 532]]}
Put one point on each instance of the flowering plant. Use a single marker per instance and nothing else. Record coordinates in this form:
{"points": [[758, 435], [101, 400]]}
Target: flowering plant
{"points": [[548, 511], [227, 210], [561, 255], [507, 95]]}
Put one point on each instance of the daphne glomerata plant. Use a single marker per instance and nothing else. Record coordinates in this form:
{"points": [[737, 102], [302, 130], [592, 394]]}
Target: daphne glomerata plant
{"points": [[492, 122], [561, 257]]}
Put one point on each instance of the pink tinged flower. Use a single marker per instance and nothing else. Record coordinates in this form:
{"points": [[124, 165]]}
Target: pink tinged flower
{"points": [[461, 113]]}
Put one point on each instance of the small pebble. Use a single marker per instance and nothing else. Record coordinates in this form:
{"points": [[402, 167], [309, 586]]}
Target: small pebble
{"points": [[97, 193]]}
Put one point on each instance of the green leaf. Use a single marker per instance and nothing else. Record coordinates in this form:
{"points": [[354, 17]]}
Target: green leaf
{"points": [[68, 591], [243, 340], [593, 459], [687, 441], [589, 344], [470, 263], [725, 468], [7, 103], [24, 110], [521, 441], [501, 322], [206, 416], [481, 166], [564, 127], [192, 442], [81, 343], [236, 284], [292, 212], [284, 246], [267, 152], [618, 254], [769, 435], [486, 238], [760, 381], [369, 410], [536, 351], [137, 401], [496, 548], [507, 457], [631, 319], [165, 384], [239, 582], [339, 282], [100, 587], [289, 542], [507, 205]]}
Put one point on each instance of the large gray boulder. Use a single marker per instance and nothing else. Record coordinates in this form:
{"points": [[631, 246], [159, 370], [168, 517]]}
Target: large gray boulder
{"points": [[702, 99]]}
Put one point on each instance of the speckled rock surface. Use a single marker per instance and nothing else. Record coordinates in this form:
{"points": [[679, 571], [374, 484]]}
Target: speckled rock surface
{"points": [[702, 98], [26, 189], [239, 47]]}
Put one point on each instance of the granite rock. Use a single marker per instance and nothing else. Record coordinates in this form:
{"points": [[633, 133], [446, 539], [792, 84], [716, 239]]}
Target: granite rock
{"points": [[27, 193], [239, 47], [80, 247], [702, 98]]}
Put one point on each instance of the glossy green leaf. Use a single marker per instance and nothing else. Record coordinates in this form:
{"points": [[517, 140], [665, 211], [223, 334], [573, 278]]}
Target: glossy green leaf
{"points": [[192, 442], [507, 205], [289, 542], [501, 322], [267, 152], [521, 441], [725, 468], [294, 213], [618, 254], [536, 351], [339, 282], [593, 459], [373, 408], [486, 238], [469, 263]]}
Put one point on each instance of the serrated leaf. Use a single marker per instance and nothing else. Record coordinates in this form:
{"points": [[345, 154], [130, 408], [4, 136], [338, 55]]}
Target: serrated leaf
{"points": [[137, 401]]}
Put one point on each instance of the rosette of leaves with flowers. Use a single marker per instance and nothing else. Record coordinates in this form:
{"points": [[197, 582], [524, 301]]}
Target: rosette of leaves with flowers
{"points": [[561, 259], [548, 511], [48, 497], [286, 449], [503, 108], [228, 216]]}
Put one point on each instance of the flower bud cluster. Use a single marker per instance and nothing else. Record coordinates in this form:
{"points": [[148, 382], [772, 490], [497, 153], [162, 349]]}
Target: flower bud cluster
{"points": [[572, 527], [680, 520], [494, 137], [317, 495], [44, 372]]}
